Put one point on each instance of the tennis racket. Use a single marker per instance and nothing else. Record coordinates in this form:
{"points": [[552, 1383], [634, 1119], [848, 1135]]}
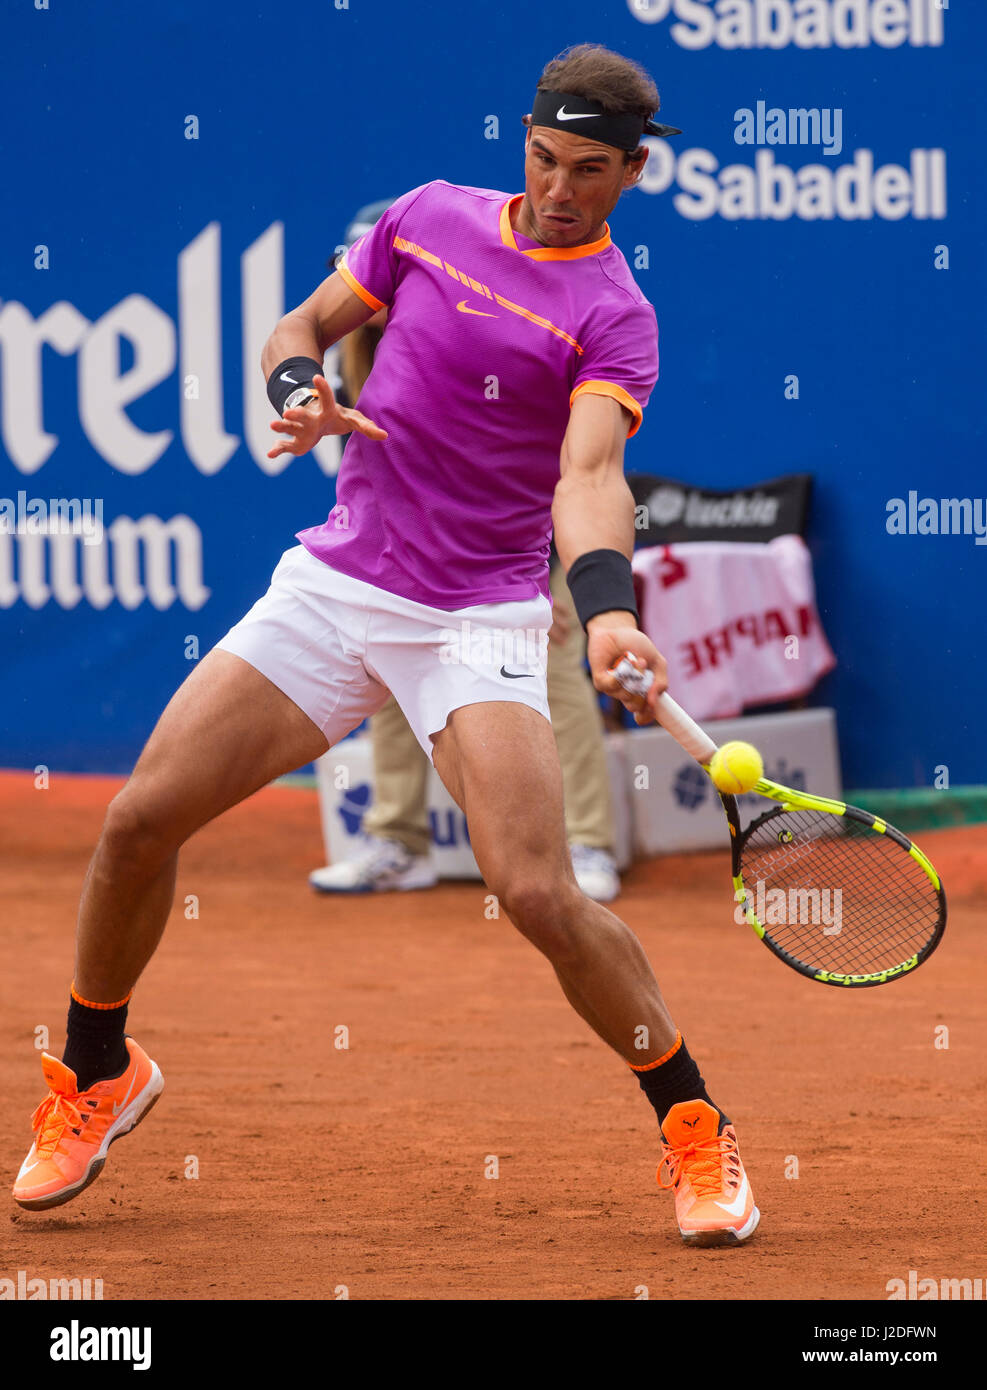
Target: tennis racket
{"points": [[835, 892]]}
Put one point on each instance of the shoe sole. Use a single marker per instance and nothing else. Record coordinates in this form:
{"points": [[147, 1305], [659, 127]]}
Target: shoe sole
{"points": [[599, 897], [138, 1108], [726, 1236], [363, 892]]}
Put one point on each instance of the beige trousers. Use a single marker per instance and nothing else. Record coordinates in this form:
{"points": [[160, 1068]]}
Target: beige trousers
{"points": [[401, 768]]}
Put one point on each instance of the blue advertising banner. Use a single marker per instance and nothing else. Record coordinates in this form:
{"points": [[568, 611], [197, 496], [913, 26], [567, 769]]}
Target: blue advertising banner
{"points": [[175, 179]]}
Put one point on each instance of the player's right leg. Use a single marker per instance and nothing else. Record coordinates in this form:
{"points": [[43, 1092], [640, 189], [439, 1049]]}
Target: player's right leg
{"points": [[285, 683], [226, 732]]}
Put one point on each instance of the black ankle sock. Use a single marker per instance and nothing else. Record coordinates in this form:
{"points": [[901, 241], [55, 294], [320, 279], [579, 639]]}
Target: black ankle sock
{"points": [[94, 1047], [676, 1080]]}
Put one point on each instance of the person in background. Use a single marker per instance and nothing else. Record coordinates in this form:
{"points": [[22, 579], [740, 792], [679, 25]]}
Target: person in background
{"points": [[395, 852]]}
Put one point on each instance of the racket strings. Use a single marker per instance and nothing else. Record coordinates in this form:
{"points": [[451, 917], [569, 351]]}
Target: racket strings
{"points": [[845, 930], [833, 917], [836, 894]]}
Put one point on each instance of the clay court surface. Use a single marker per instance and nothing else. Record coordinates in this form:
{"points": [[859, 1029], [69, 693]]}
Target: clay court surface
{"points": [[321, 1167]]}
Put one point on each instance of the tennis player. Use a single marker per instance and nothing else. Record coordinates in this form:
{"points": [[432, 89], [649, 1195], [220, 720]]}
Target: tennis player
{"points": [[519, 356]]}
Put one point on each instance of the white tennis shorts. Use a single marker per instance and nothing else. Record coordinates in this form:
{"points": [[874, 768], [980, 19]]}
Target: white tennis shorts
{"points": [[336, 646]]}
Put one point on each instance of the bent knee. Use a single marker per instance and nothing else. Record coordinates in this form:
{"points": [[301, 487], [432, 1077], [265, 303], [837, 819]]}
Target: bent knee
{"points": [[138, 828], [543, 910]]}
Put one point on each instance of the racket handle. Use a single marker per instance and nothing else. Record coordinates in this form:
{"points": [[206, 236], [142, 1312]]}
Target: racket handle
{"points": [[683, 729], [670, 716]]}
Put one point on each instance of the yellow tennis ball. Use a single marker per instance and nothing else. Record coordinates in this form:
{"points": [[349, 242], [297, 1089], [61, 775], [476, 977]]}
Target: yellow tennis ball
{"points": [[735, 767]]}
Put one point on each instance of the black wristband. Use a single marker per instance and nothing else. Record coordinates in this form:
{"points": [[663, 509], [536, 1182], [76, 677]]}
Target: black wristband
{"points": [[288, 376], [599, 581]]}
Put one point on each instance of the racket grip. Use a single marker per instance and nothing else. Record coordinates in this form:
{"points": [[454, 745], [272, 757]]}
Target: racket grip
{"points": [[670, 716], [683, 729]]}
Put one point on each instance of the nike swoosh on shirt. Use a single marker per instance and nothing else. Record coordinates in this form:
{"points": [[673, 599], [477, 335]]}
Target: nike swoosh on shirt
{"points": [[736, 1207], [461, 306], [286, 377], [563, 115], [515, 675], [118, 1108]]}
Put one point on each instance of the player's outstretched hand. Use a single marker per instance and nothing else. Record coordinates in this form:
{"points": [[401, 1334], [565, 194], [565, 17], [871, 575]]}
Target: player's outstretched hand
{"points": [[305, 425], [604, 648]]}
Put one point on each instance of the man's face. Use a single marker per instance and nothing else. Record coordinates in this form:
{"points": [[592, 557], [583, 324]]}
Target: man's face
{"points": [[571, 186]]}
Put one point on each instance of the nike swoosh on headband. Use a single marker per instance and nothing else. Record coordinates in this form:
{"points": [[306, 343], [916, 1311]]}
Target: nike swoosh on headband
{"points": [[563, 115]]}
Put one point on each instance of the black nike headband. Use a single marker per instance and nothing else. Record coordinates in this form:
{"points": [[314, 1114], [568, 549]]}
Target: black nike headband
{"points": [[562, 111]]}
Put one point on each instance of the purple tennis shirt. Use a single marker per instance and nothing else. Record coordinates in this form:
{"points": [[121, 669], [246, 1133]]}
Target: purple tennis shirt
{"points": [[489, 338]]}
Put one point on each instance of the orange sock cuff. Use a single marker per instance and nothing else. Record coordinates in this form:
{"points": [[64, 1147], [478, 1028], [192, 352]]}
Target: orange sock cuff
{"points": [[648, 1066], [90, 1004]]}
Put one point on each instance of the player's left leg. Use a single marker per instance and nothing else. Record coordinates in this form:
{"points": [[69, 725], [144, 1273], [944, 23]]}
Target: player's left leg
{"points": [[578, 727], [499, 761]]}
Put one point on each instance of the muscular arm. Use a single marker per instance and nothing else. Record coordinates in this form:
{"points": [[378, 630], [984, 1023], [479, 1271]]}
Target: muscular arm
{"points": [[332, 311], [593, 509], [329, 313]]}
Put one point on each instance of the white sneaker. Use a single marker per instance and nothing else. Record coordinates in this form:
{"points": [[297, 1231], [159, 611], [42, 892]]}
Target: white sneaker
{"points": [[378, 866], [596, 872]]}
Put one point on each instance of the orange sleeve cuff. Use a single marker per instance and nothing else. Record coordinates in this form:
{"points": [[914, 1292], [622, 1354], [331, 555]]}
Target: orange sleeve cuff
{"points": [[357, 288], [622, 397]]}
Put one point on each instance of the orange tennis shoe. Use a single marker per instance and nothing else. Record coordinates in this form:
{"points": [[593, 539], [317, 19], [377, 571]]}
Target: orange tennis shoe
{"points": [[73, 1129], [714, 1204]]}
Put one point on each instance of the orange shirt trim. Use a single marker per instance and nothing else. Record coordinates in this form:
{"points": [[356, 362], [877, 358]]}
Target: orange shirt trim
{"points": [[607, 388], [548, 253], [357, 288]]}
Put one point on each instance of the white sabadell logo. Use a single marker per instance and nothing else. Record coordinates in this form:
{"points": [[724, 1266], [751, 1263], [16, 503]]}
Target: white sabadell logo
{"points": [[733, 24], [857, 190]]}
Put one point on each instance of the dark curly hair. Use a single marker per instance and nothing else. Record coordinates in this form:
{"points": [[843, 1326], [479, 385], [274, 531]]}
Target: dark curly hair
{"points": [[615, 83]]}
